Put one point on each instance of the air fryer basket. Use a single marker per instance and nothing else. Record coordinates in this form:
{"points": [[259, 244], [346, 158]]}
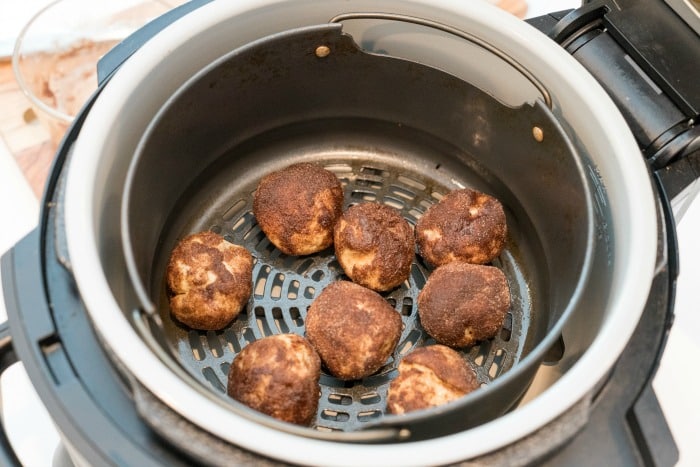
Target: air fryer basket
{"points": [[395, 132]]}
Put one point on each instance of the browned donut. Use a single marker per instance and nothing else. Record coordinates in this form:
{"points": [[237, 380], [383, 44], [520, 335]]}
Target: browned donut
{"points": [[463, 303], [428, 377], [465, 225], [209, 280], [353, 329], [374, 246], [297, 208], [278, 376]]}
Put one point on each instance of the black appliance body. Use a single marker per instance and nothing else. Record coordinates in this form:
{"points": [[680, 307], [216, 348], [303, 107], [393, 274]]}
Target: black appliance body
{"points": [[100, 411]]}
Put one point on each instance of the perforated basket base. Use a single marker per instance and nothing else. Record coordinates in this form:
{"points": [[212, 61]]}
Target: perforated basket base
{"points": [[285, 286]]}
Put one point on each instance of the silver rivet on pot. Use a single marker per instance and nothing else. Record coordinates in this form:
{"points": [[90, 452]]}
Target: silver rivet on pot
{"points": [[322, 51], [538, 134]]}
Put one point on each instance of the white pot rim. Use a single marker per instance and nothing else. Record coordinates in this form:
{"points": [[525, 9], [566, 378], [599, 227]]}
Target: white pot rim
{"points": [[634, 261]]}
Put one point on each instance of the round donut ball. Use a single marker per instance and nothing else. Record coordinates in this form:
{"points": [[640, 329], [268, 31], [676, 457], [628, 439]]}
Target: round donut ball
{"points": [[278, 376], [209, 281], [464, 303], [353, 329], [297, 208], [465, 225], [428, 377], [374, 245]]}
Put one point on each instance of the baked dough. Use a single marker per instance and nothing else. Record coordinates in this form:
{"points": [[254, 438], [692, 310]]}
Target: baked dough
{"points": [[374, 245], [209, 281], [353, 329], [297, 208], [428, 377], [463, 303], [465, 225], [278, 376]]}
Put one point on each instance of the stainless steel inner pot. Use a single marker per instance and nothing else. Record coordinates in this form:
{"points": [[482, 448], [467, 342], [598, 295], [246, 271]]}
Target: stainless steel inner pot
{"points": [[395, 132], [121, 293]]}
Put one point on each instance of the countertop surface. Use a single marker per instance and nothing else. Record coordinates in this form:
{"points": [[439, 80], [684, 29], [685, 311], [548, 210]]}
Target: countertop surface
{"points": [[25, 158]]}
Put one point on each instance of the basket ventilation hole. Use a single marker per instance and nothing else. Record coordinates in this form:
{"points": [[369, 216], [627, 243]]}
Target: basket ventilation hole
{"points": [[232, 340], [402, 192], [249, 336], [261, 321], [507, 328], [233, 210], [369, 415], [375, 171], [277, 315], [370, 398], [410, 342], [261, 281], [196, 345], [318, 275], [210, 376], [214, 344], [411, 182], [417, 276], [363, 182], [293, 290], [339, 399], [309, 292], [335, 416], [407, 307], [425, 204], [363, 195], [394, 203], [497, 364], [415, 215], [254, 235], [303, 267], [296, 316], [276, 292]]}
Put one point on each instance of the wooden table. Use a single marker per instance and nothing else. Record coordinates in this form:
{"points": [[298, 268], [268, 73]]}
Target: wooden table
{"points": [[21, 131]]}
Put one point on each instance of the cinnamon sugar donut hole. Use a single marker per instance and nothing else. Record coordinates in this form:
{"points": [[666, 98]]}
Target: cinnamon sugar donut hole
{"points": [[428, 377], [297, 208], [464, 303], [278, 376], [353, 329], [209, 281], [374, 245], [465, 225]]}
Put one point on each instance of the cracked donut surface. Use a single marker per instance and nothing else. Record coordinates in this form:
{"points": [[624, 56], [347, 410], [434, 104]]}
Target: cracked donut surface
{"points": [[428, 377], [374, 245], [209, 281]]}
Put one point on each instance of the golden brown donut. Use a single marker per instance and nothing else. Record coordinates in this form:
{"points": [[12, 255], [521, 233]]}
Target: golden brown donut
{"points": [[297, 208], [353, 329], [374, 245], [209, 280], [463, 303], [465, 225], [428, 377], [278, 376]]}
